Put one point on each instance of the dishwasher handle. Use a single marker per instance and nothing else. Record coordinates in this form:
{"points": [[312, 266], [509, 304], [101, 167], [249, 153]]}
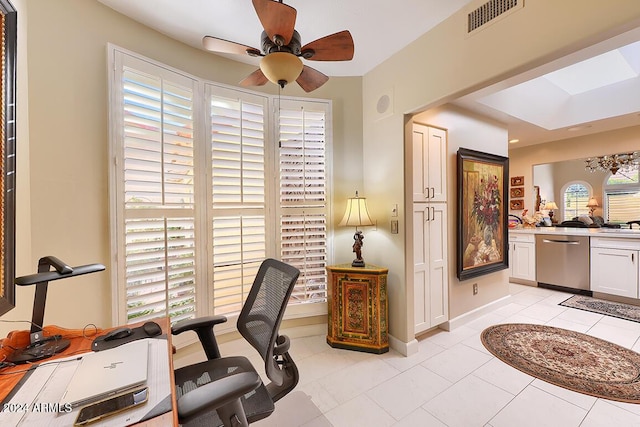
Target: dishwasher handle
{"points": [[566, 242]]}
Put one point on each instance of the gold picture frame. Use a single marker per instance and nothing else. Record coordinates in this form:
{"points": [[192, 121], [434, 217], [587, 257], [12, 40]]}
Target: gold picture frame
{"points": [[516, 192], [482, 214]]}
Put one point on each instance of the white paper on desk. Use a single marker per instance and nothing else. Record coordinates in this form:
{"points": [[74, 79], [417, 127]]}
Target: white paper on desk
{"points": [[48, 382]]}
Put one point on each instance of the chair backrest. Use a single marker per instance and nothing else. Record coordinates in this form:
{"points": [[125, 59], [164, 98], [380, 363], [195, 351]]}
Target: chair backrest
{"points": [[260, 318]]}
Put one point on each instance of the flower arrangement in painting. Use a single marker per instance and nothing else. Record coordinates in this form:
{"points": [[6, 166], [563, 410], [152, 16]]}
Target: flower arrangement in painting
{"points": [[486, 202]]}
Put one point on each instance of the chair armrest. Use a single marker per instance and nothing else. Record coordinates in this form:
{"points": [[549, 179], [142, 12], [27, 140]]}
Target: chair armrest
{"points": [[203, 326], [197, 323], [217, 393]]}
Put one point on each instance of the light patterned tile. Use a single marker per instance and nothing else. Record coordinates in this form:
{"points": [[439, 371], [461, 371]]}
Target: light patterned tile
{"points": [[420, 417], [406, 392], [350, 382], [360, 411], [605, 413], [469, 402], [584, 401], [500, 374], [426, 349], [534, 408], [457, 362]]}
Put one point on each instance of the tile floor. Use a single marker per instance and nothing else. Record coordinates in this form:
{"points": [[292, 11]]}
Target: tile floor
{"points": [[452, 381]]}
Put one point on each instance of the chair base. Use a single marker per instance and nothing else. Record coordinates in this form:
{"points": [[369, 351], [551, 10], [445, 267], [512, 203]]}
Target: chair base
{"points": [[257, 404]]}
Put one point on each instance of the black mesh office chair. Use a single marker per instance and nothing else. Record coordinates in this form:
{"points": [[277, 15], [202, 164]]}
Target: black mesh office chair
{"points": [[227, 390]]}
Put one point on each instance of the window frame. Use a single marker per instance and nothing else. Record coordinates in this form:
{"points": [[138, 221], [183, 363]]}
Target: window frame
{"points": [[563, 196], [203, 210]]}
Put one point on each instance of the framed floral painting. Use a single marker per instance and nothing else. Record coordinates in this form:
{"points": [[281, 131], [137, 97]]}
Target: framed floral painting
{"points": [[482, 213]]}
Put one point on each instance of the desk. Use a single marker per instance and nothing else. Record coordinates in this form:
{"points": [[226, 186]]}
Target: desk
{"points": [[81, 344]]}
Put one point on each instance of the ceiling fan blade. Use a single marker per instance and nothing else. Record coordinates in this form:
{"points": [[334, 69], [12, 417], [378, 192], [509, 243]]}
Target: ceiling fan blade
{"points": [[257, 78], [215, 44], [334, 47], [276, 19], [311, 79]]}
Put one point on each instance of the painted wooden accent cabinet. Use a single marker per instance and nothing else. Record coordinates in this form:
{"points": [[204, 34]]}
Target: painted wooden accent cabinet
{"points": [[358, 308]]}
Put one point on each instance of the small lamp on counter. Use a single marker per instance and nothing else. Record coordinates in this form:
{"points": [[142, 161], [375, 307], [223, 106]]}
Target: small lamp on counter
{"points": [[550, 206], [357, 215], [592, 204]]}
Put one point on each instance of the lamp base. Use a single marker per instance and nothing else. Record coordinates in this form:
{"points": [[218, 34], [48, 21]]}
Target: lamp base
{"points": [[39, 350], [357, 263]]}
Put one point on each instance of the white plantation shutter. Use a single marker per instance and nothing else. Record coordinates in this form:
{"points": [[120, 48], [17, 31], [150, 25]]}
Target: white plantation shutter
{"points": [[622, 195], [239, 233], [303, 196], [206, 184], [623, 206], [157, 189]]}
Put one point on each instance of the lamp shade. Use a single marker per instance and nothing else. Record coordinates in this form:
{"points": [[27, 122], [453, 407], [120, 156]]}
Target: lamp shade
{"points": [[281, 67], [550, 206], [592, 203], [356, 213]]}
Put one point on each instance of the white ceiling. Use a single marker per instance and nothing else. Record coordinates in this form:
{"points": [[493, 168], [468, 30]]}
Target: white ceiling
{"points": [[379, 28], [534, 108]]}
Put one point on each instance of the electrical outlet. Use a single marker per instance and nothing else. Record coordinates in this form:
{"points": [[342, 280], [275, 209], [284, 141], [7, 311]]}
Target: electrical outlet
{"points": [[394, 226], [475, 289]]}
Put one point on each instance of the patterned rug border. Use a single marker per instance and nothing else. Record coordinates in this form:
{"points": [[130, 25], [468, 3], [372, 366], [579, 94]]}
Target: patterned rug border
{"points": [[567, 359], [576, 301]]}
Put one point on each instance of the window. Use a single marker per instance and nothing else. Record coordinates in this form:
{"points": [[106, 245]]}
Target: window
{"points": [[622, 195], [575, 197], [207, 181]]}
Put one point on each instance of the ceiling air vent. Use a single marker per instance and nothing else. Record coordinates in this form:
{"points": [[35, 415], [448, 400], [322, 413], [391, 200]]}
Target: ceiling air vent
{"points": [[489, 11]]}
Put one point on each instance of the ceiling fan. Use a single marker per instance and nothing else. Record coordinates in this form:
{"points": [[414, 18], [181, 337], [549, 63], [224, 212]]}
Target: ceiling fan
{"points": [[282, 49]]}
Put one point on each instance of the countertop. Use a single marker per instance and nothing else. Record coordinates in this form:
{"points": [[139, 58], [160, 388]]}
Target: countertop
{"points": [[592, 232]]}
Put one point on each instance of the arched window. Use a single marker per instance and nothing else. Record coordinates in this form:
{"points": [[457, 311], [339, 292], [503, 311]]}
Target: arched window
{"points": [[622, 195], [575, 196]]}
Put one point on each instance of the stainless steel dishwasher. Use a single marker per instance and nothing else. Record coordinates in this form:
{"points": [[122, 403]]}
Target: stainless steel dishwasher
{"points": [[563, 261]]}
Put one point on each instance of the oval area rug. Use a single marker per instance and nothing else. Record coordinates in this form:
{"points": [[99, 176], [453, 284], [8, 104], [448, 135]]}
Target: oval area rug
{"points": [[568, 359]]}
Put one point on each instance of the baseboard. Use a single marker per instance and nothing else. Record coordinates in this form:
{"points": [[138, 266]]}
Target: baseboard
{"points": [[305, 330], [404, 348], [475, 314]]}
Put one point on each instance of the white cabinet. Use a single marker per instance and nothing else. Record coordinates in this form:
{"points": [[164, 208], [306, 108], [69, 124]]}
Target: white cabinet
{"points": [[430, 265], [522, 256], [614, 266], [429, 164], [428, 241]]}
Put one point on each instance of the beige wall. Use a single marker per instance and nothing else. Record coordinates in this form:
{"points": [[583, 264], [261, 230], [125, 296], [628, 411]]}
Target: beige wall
{"points": [[522, 160], [443, 65], [63, 201], [465, 130], [65, 213]]}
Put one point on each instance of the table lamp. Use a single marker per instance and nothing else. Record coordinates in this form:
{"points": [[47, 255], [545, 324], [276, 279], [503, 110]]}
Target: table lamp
{"points": [[357, 215], [592, 204], [41, 347], [550, 206]]}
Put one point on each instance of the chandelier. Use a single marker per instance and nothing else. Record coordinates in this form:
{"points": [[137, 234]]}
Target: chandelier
{"points": [[612, 162]]}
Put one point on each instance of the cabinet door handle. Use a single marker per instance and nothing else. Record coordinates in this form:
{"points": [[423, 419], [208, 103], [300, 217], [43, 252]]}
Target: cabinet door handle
{"points": [[433, 213], [427, 220], [433, 192], [426, 192]]}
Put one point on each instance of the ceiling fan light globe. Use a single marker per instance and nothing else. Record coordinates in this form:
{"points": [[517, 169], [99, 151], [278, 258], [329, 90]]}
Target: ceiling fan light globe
{"points": [[281, 67]]}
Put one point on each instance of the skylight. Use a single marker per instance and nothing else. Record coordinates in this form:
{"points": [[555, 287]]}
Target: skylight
{"points": [[593, 73]]}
